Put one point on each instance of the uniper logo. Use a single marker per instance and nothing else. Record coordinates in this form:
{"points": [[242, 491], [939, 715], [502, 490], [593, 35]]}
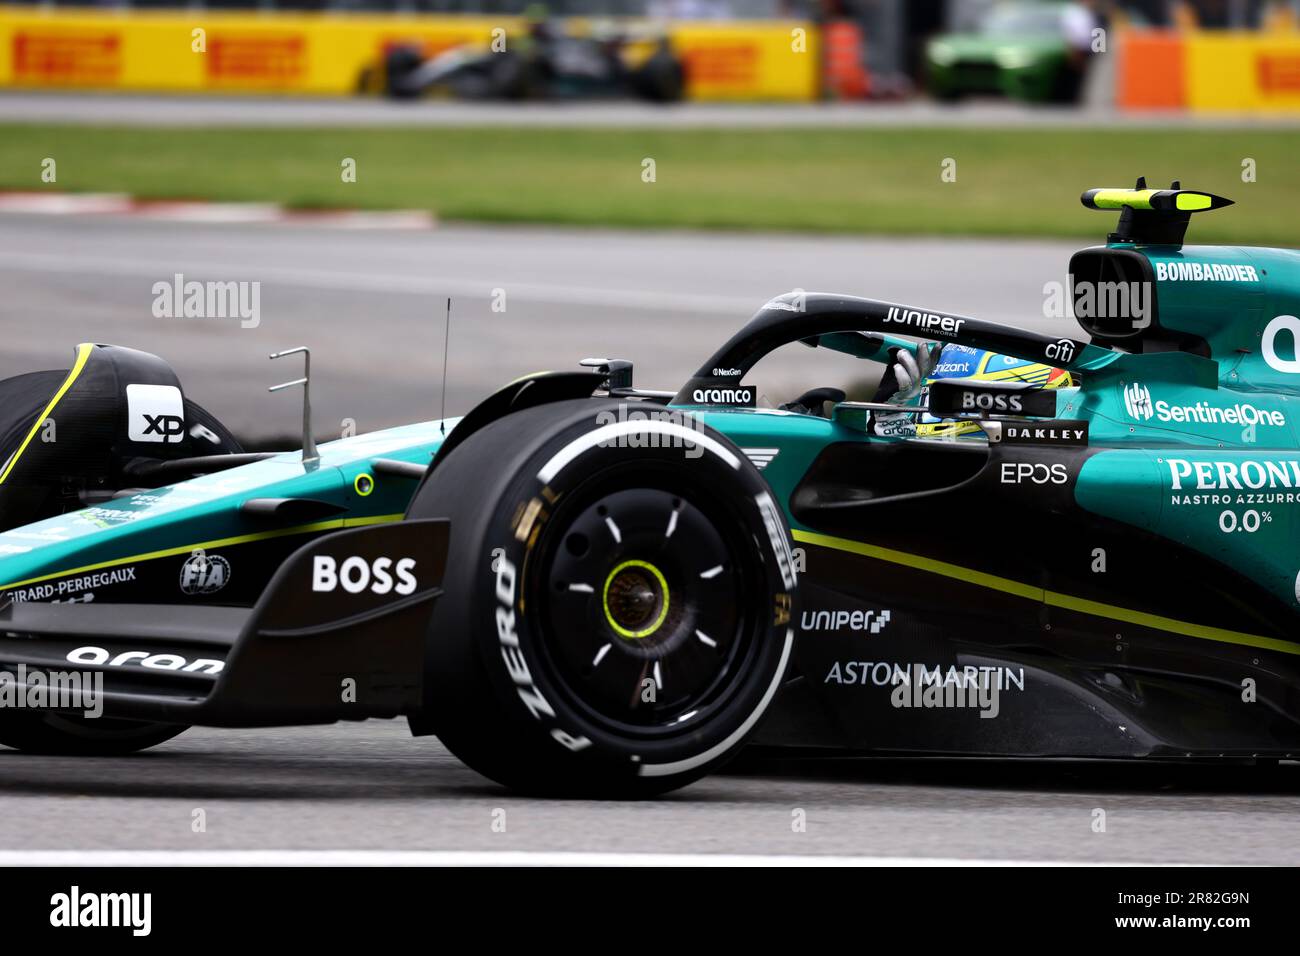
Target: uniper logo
{"points": [[1137, 401], [1269, 346]]}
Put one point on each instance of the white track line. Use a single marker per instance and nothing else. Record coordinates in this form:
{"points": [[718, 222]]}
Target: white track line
{"points": [[65, 204], [483, 858]]}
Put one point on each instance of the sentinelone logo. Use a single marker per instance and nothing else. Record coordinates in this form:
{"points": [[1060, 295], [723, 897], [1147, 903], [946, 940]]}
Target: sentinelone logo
{"points": [[1140, 407]]}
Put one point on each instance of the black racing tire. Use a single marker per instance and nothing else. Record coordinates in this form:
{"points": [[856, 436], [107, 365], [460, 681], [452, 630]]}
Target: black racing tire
{"points": [[615, 620], [22, 399], [75, 735], [399, 63], [661, 79]]}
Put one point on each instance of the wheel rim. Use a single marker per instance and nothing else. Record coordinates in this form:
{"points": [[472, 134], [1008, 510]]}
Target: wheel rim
{"points": [[644, 613]]}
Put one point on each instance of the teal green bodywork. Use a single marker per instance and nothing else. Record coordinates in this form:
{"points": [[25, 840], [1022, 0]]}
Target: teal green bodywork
{"points": [[1203, 450], [1129, 479], [205, 512]]}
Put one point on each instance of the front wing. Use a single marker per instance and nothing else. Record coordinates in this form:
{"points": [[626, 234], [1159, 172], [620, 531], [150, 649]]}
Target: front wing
{"points": [[338, 633]]}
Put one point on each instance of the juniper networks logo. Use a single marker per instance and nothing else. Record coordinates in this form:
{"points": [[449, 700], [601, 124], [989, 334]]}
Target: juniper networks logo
{"points": [[1137, 402]]}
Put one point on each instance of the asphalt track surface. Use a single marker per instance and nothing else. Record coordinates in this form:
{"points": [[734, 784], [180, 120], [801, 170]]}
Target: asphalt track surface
{"points": [[371, 304], [116, 109]]}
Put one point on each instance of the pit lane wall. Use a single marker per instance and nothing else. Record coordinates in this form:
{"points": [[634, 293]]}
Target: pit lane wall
{"points": [[326, 53], [1218, 71]]}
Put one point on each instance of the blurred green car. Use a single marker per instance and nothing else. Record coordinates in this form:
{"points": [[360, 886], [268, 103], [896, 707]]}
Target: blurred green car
{"points": [[1019, 50]]}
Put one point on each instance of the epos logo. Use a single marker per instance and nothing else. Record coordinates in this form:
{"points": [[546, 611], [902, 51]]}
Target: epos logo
{"points": [[356, 574], [1034, 473]]}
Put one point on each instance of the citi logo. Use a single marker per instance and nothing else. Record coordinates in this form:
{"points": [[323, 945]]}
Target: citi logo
{"points": [[1137, 402], [1060, 351]]}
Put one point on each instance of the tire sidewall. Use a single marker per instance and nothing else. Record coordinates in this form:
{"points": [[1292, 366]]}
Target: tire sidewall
{"points": [[509, 636]]}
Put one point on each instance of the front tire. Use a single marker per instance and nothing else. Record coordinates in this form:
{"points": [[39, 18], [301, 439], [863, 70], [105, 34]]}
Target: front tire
{"points": [[618, 601], [76, 735]]}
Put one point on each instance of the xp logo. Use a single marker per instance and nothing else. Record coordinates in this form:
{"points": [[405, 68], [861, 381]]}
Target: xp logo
{"points": [[1137, 402], [204, 573], [1061, 350], [165, 426], [155, 413], [356, 574], [1269, 344]]}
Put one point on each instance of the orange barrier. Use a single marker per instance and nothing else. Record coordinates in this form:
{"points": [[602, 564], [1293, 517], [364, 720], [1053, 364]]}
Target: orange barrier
{"points": [[846, 77], [1152, 72]]}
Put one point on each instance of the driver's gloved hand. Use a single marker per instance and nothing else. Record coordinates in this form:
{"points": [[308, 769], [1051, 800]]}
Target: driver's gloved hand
{"points": [[906, 373], [903, 381]]}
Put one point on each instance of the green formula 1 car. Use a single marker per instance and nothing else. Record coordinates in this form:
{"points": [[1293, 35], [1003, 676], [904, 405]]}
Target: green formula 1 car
{"points": [[1019, 51], [585, 587]]}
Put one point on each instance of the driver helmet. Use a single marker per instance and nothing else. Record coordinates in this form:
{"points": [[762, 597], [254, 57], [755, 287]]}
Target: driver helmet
{"points": [[964, 361]]}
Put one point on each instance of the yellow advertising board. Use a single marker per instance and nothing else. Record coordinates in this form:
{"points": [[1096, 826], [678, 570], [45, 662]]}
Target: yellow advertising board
{"points": [[1243, 72], [213, 52]]}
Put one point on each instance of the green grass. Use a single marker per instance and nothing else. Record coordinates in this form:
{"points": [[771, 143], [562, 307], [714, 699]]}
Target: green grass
{"points": [[1021, 182]]}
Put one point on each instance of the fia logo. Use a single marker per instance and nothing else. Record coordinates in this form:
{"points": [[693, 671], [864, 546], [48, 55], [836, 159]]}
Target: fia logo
{"points": [[1137, 402], [204, 573]]}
